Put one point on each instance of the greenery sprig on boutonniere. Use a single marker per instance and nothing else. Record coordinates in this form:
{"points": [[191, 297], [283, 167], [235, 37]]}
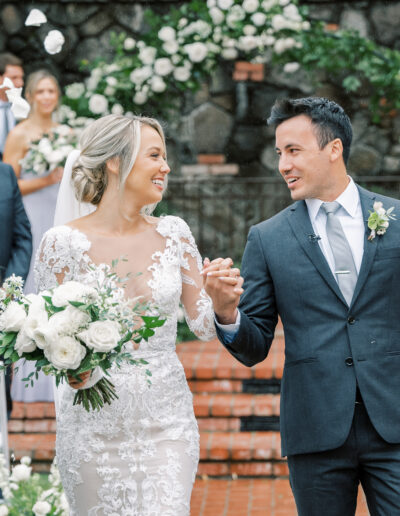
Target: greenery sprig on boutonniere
{"points": [[378, 221]]}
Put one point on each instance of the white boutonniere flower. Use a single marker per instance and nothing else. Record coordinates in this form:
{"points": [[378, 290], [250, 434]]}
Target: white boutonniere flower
{"points": [[378, 220]]}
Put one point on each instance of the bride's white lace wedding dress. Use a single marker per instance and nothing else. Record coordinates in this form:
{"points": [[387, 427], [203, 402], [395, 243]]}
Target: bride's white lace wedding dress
{"points": [[139, 455]]}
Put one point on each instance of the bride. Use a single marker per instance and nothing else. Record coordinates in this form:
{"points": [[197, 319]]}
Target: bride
{"points": [[139, 455]]}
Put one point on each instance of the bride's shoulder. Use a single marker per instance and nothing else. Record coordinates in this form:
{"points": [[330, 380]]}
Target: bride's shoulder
{"points": [[66, 236], [171, 224]]}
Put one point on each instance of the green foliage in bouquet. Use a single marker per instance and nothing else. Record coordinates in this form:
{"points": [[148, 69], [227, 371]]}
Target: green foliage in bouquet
{"points": [[182, 48]]}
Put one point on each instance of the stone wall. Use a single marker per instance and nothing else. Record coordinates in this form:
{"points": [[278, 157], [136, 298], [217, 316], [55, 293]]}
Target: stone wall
{"points": [[224, 117]]}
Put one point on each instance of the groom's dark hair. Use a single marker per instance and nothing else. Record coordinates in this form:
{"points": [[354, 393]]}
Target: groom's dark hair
{"points": [[329, 119]]}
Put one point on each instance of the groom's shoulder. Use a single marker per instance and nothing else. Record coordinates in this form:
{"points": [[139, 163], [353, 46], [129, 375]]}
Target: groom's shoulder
{"points": [[384, 199], [277, 220]]}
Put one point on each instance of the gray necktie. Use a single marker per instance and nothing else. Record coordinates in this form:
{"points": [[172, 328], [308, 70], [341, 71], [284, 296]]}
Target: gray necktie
{"points": [[345, 269]]}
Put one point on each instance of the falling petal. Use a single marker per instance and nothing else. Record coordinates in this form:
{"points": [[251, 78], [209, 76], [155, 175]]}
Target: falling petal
{"points": [[35, 18], [54, 42], [19, 106], [7, 83]]}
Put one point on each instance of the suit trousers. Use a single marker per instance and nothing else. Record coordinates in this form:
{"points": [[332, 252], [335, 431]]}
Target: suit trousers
{"points": [[326, 483]]}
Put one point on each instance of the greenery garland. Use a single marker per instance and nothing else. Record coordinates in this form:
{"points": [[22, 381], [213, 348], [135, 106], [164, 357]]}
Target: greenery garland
{"points": [[181, 50]]}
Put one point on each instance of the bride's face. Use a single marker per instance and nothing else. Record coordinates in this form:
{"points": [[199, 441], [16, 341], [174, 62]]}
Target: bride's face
{"points": [[146, 179], [45, 97]]}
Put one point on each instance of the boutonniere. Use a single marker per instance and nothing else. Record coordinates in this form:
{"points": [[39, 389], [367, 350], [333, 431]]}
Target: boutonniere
{"points": [[378, 221]]}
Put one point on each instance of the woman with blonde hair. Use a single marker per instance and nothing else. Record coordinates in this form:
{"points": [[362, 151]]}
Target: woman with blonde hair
{"points": [[39, 195], [139, 455]]}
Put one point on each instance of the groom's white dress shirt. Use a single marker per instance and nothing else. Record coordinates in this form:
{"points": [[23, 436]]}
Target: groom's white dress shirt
{"points": [[351, 218], [7, 122]]}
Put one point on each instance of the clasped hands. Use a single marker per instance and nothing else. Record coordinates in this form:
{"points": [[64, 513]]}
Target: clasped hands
{"points": [[223, 284]]}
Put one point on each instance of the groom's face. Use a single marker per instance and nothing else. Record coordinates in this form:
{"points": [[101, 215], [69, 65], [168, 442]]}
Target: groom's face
{"points": [[303, 165]]}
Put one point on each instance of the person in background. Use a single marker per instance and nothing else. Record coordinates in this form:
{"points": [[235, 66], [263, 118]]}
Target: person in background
{"points": [[10, 67], [39, 193], [15, 238]]}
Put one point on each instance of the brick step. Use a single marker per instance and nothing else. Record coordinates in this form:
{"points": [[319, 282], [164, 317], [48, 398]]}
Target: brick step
{"points": [[235, 405], [251, 385]]}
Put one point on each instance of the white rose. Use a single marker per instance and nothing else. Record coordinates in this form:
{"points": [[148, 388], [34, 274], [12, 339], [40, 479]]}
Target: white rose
{"points": [[250, 6], [44, 335], [24, 344], [163, 66], [147, 55], [139, 75], [284, 2], [248, 43], [64, 503], [98, 104], [73, 291], [20, 472], [291, 67], [249, 30], [197, 52], [129, 44], [3, 510], [117, 109], [109, 91], [217, 15], [26, 460], [267, 4], [224, 4], [55, 158], [44, 146], [167, 34], [378, 205], [278, 22], [69, 320], [35, 18], [211, 3], [258, 19], [229, 53], [140, 97], [171, 47], [75, 90], [157, 84], [53, 42], [111, 81], [65, 353], [41, 508], [37, 316], [13, 317], [101, 336], [292, 13], [182, 74], [305, 25]]}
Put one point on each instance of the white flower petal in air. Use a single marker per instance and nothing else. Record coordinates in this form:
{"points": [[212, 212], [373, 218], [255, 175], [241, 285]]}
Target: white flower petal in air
{"points": [[7, 83], [35, 18], [53, 42], [19, 107]]}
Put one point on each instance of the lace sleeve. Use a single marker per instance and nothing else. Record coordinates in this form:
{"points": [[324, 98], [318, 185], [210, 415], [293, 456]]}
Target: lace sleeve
{"points": [[197, 304]]}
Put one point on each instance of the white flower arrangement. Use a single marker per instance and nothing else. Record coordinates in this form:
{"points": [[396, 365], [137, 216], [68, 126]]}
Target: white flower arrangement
{"points": [[378, 220], [50, 151], [72, 329]]}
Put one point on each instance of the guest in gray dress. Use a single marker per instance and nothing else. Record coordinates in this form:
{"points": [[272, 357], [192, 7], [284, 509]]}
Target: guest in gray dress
{"points": [[39, 194]]}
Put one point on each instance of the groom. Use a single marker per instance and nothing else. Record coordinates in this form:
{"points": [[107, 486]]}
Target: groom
{"points": [[338, 295]]}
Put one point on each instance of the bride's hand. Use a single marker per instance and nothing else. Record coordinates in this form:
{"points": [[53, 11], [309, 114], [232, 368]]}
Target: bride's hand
{"points": [[55, 176], [75, 384]]}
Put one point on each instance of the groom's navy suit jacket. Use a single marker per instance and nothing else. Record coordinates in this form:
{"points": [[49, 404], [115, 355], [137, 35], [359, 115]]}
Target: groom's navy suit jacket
{"points": [[15, 229], [329, 346]]}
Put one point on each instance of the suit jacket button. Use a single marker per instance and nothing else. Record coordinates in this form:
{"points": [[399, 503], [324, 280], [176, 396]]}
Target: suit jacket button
{"points": [[349, 361], [351, 320]]}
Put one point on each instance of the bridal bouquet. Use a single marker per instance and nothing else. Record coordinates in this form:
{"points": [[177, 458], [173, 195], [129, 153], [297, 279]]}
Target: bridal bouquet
{"points": [[72, 329], [50, 151]]}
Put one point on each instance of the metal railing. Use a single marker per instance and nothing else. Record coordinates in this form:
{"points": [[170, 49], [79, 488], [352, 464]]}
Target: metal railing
{"points": [[220, 210]]}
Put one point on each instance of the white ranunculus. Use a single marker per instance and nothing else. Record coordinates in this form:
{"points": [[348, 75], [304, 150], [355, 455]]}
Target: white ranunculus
{"points": [[101, 336], [267, 4], [24, 344], [139, 75], [53, 42], [248, 43], [157, 84], [197, 52], [98, 104], [147, 55], [250, 6], [73, 291], [13, 318], [291, 67], [69, 320], [111, 81], [65, 353], [217, 15], [167, 34], [171, 47], [129, 44], [249, 30], [75, 90], [278, 22], [35, 18], [20, 472], [41, 508], [292, 13], [229, 53], [140, 97], [259, 19], [109, 91], [235, 15], [225, 4], [182, 74], [163, 66], [117, 109], [3, 510]]}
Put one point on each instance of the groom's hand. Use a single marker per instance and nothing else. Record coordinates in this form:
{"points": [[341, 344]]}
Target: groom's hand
{"points": [[224, 285]]}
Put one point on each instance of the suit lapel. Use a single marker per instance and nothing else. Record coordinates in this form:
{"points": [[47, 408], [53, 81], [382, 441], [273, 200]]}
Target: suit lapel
{"points": [[301, 225], [367, 200]]}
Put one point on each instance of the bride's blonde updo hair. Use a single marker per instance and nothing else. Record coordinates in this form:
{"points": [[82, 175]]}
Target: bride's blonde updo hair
{"points": [[112, 136]]}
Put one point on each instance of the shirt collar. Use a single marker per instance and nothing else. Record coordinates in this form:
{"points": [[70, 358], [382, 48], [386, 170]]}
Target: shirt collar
{"points": [[349, 200]]}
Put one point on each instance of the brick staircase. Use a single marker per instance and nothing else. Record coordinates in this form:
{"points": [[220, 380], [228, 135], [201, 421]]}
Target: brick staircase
{"points": [[237, 409]]}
